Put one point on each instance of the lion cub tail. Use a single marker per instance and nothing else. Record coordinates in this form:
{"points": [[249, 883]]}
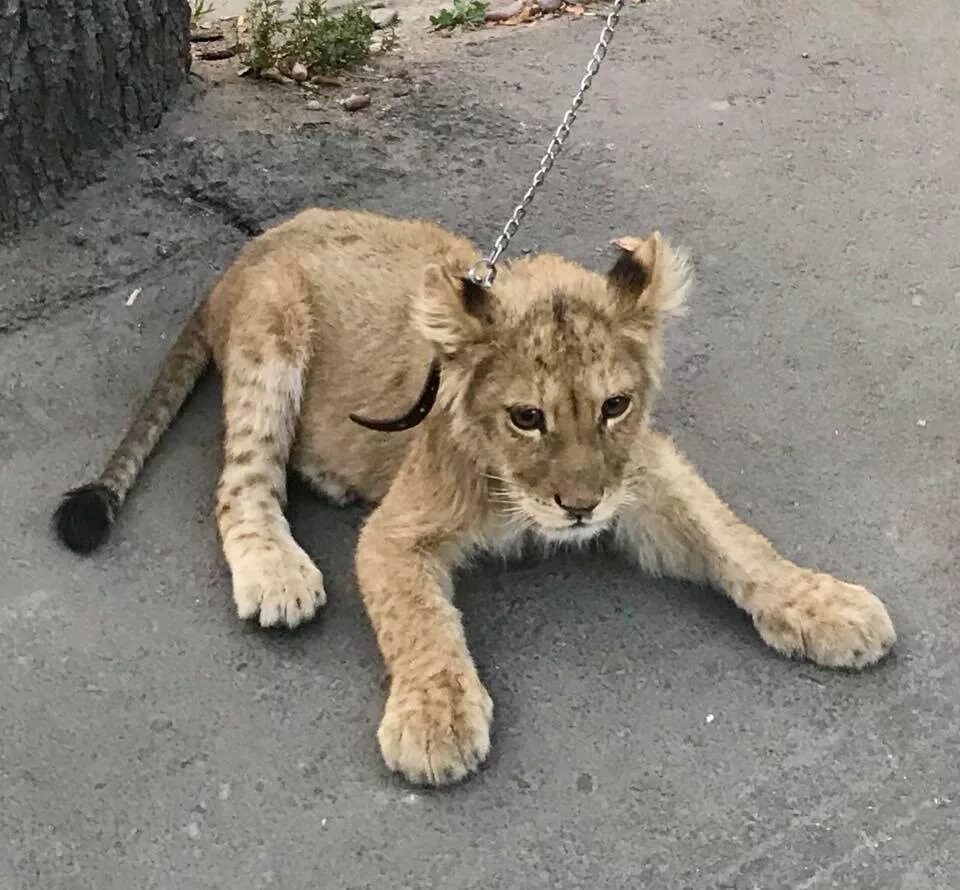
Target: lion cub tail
{"points": [[85, 514]]}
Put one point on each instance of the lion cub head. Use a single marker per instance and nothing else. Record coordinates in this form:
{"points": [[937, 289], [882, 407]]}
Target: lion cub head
{"points": [[548, 376]]}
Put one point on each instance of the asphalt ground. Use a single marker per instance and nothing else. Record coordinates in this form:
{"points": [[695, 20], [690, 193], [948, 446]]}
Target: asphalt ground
{"points": [[644, 737]]}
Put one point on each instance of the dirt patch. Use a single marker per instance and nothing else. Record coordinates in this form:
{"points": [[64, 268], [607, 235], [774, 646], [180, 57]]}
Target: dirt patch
{"points": [[413, 30], [404, 54]]}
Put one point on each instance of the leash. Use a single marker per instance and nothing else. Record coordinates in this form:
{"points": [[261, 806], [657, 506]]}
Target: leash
{"points": [[484, 271]]}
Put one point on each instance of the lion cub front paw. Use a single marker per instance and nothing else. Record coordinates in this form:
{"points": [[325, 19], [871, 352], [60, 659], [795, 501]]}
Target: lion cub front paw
{"points": [[280, 582], [828, 621], [437, 730]]}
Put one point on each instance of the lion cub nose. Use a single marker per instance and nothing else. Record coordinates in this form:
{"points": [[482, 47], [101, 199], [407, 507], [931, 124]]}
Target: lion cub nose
{"points": [[577, 509]]}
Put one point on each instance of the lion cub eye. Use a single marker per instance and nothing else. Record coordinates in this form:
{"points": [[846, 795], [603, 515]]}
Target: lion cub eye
{"points": [[614, 407], [526, 418]]}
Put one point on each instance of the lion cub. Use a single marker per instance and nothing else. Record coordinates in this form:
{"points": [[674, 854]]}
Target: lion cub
{"points": [[534, 423]]}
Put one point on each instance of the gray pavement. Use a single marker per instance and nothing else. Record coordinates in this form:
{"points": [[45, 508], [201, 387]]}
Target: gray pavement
{"points": [[807, 153]]}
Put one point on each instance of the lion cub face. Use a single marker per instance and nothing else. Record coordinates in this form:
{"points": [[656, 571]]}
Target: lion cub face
{"points": [[549, 377]]}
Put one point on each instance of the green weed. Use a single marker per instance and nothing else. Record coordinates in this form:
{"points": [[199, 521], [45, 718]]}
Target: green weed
{"points": [[323, 41], [463, 15], [266, 33], [327, 42]]}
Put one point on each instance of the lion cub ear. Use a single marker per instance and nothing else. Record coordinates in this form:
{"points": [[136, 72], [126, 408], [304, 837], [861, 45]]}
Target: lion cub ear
{"points": [[450, 311], [649, 279]]}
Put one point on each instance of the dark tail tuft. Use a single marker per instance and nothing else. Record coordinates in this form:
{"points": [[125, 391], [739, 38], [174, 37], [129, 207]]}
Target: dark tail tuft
{"points": [[85, 515]]}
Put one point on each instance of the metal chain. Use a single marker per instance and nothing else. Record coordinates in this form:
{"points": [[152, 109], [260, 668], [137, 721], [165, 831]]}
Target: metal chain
{"points": [[484, 271]]}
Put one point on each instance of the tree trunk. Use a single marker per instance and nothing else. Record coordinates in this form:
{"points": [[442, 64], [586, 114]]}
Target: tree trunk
{"points": [[76, 76]]}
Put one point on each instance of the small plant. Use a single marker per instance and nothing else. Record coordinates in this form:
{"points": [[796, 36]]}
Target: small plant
{"points": [[463, 15], [327, 42], [324, 42], [199, 10], [266, 31]]}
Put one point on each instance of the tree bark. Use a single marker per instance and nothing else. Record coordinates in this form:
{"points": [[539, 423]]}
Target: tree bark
{"points": [[76, 77]]}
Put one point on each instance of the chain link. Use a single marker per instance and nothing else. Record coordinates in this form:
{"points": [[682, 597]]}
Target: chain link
{"points": [[484, 271]]}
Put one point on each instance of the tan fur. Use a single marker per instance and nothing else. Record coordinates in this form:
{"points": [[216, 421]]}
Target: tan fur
{"points": [[336, 312]]}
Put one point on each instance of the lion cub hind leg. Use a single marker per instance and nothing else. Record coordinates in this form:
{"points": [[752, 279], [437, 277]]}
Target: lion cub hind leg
{"points": [[264, 370]]}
